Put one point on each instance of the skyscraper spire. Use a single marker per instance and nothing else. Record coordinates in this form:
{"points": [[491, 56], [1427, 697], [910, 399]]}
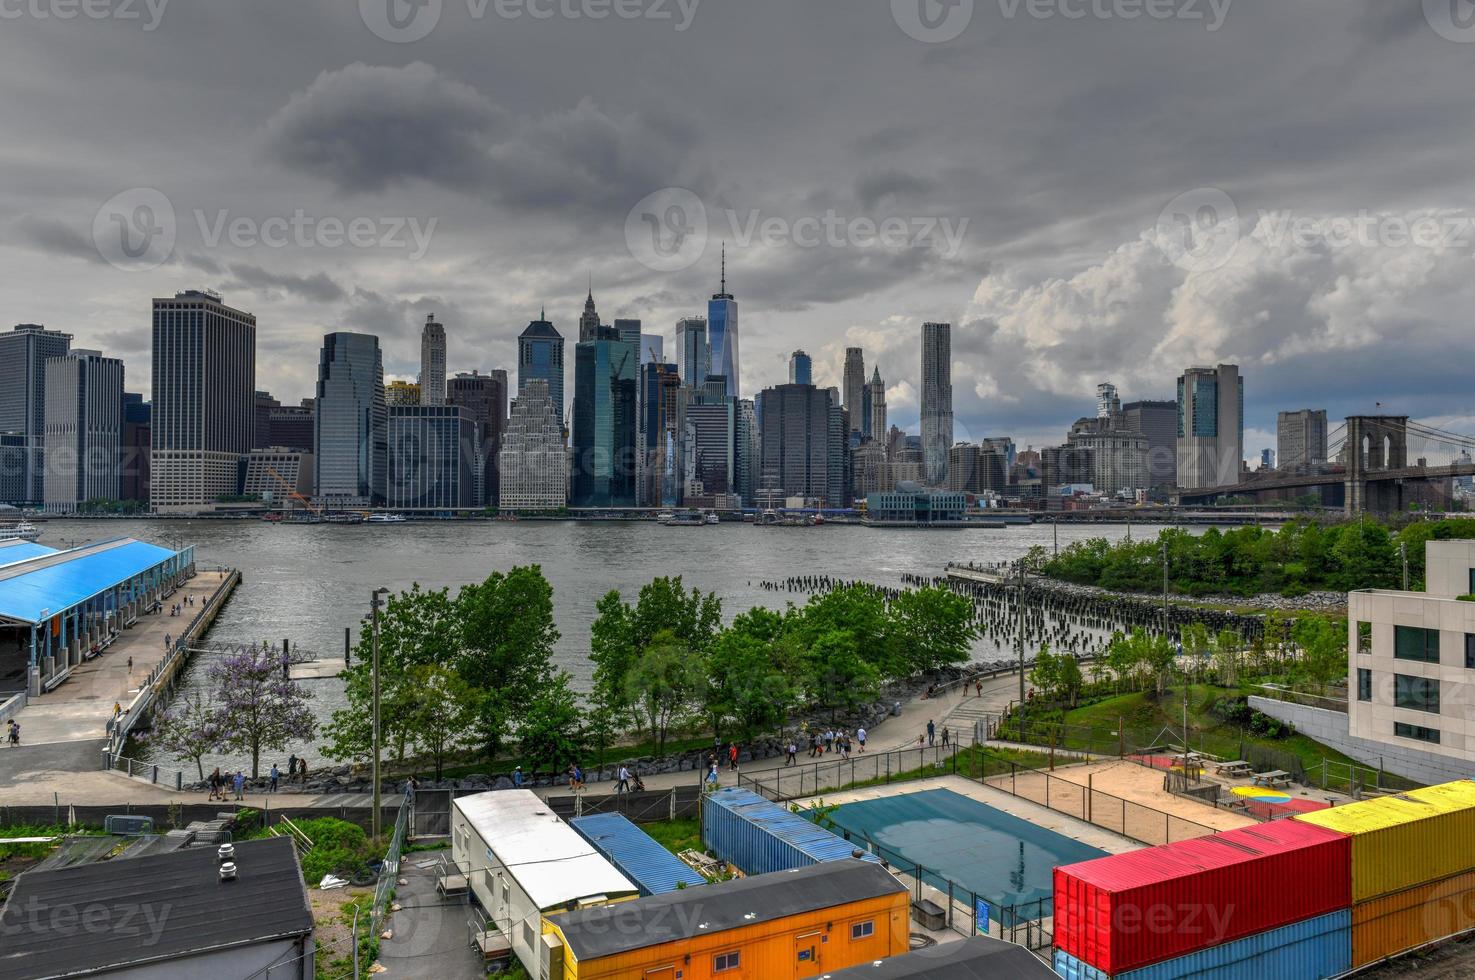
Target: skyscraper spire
{"points": [[724, 268]]}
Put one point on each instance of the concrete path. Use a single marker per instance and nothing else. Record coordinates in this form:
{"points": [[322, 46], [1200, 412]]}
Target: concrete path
{"points": [[79, 708], [429, 936]]}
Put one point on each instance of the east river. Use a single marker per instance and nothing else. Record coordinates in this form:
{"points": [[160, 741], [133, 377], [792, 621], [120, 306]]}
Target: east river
{"points": [[306, 583]]}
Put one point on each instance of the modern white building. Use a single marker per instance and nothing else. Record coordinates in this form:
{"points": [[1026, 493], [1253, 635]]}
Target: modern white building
{"points": [[1411, 681], [523, 862]]}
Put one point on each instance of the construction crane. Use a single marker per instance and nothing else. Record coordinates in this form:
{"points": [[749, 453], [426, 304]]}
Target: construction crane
{"points": [[292, 493]]}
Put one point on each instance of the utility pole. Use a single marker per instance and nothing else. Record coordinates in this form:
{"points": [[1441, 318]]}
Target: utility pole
{"points": [[374, 644]]}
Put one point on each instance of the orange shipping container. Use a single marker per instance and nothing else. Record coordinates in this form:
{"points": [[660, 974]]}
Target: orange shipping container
{"points": [[1408, 919], [785, 925]]}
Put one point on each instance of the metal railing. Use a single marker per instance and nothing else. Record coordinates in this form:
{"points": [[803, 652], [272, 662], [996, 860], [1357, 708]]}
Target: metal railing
{"points": [[149, 772], [389, 871], [861, 769]]}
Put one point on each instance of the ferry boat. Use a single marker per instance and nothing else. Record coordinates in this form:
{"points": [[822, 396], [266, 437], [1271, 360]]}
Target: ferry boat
{"points": [[712, 518], [387, 518], [344, 518], [24, 531], [686, 518]]}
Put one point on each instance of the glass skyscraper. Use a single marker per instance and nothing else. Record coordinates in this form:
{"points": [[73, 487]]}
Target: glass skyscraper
{"points": [[722, 336], [801, 369], [606, 387], [23, 355], [691, 347], [350, 436], [540, 355]]}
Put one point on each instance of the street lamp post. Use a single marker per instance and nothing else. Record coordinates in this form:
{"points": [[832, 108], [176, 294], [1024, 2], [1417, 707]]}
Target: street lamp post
{"points": [[374, 670]]}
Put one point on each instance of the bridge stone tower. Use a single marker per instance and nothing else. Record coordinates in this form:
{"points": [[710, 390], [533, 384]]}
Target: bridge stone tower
{"points": [[1375, 444]]}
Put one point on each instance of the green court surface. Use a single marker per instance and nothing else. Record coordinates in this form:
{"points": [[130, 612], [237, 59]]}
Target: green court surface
{"points": [[1005, 860]]}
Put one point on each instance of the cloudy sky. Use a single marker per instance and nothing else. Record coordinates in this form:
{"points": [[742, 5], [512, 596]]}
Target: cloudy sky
{"points": [[1089, 190]]}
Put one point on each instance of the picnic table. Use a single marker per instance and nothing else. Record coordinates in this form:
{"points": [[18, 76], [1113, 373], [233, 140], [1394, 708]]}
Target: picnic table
{"points": [[1275, 777], [1235, 768]]}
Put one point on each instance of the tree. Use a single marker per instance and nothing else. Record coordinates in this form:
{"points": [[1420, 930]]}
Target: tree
{"points": [[840, 679], [443, 709], [190, 728], [259, 707], [661, 684], [860, 611], [622, 632], [1323, 645], [934, 627], [751, 677], [552, 727], [506, 649]]}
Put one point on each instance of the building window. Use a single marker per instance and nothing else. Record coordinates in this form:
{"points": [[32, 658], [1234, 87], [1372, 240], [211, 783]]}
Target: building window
{"points": [[1415, 643], [1364, 684], [1470, 649], [723, 962], [1364, 637], [1418, 693], [863, 930], [1416, 731]]}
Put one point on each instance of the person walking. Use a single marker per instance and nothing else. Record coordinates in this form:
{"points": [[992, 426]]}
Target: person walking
{"points": [[291, 767], [13, 735], [978, 687], [302, 770], [275, 775], [712, 777], [945, 737], [732, 756], [793, 758], [573, 780], [517, 778], [623, 786], [860, 736], [130, 666], [814, 745], [240, 785], [931, 732]]}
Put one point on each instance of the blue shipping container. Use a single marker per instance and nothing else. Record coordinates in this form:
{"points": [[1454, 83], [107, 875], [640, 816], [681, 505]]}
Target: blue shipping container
{"points": [[638, 857], [1312, 949], [757, 837]]}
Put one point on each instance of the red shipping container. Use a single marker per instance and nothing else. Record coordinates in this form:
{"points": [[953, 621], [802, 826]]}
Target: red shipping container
{"points": [[1131, 910]]}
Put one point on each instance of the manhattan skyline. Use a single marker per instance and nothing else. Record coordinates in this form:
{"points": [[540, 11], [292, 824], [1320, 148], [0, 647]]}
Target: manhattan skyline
{"points": [[1059, 281]]}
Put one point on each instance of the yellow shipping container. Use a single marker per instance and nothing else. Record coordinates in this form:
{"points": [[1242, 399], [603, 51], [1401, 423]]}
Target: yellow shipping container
{"points": [[1402, 841], [1408, 919]]}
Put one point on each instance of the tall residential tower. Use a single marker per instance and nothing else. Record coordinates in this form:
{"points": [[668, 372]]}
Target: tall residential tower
{"points": [[937, 400]]}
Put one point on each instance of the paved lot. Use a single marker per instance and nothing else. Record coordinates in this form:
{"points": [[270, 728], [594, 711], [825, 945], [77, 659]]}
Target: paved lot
{"points": [[429, 934]]}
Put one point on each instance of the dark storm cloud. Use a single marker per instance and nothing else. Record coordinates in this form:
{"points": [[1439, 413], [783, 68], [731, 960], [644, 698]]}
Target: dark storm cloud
{"points": [[1059, 141]]}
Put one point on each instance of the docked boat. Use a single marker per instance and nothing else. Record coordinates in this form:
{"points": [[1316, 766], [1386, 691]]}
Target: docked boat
{"points": [[24, 531], [344, 518], [387, 518], [686, 518], [712, 518]]}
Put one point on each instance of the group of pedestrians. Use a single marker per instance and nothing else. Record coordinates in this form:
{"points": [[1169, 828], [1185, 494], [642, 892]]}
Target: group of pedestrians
{"points": [[221, 784], [827, 742], [178, 608], [930, 738], [12, 733]]}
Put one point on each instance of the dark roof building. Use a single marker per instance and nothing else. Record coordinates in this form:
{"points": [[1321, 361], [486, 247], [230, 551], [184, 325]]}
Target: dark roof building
{"points": [[742, 904], [168, 915], [979, 958]]}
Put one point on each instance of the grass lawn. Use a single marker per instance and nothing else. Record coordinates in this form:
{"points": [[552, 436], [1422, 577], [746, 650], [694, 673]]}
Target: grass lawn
{"points": [[675, 835]]}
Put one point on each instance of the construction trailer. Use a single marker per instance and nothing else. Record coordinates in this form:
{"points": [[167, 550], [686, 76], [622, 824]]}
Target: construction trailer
{"points": [[787, 925], [523, 862]]}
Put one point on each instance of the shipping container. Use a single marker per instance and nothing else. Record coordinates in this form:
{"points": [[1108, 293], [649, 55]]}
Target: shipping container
{"points": [[1313, 949], [788, 925], [1401, 841], [635, 854], [1409, 919], [757, 836], [1131, 910]]}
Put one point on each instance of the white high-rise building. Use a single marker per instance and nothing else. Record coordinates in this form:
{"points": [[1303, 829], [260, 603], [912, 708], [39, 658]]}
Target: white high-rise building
{"points": [[534, 461], [432, 363], [937, 400], [84, 429], [1211, 427]]}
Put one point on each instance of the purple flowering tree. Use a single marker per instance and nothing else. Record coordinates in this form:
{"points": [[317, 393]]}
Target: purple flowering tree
{"points": [[190, 728], [258, 706]]}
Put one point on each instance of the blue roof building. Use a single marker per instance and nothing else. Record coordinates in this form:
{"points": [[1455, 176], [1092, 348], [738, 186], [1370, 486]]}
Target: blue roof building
{"points": [[636, 854]]}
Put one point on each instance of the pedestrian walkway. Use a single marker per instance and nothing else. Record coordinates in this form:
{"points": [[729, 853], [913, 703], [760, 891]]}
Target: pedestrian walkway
{"points": [[428, 936], [79, 708]]}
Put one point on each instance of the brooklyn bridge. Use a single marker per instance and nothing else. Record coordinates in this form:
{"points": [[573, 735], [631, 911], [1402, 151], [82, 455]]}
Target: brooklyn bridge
{"points": [[1375, 464]]}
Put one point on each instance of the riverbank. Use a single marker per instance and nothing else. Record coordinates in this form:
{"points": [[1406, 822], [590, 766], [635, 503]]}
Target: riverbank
{"points": [[1317, 602]]}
